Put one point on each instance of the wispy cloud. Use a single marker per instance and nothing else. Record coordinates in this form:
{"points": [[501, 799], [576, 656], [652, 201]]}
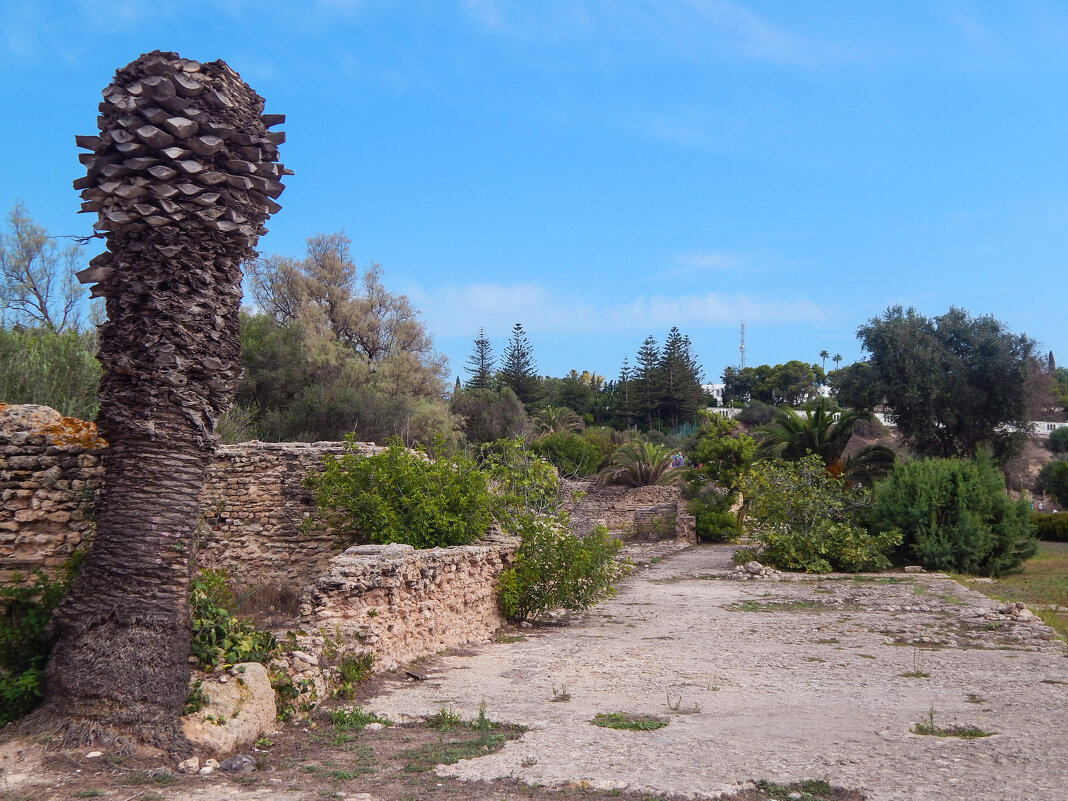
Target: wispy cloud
{"points": [[460, 310], [708, 260], [692, 29]]}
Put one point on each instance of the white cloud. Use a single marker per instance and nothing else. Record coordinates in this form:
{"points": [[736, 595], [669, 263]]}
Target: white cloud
{"points": [[461, 310], [708, 260]]}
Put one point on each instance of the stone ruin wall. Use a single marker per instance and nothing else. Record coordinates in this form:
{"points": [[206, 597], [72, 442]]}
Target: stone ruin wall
{"points": [[392, 600], [401, 603], [46, 501], [632, 513]]}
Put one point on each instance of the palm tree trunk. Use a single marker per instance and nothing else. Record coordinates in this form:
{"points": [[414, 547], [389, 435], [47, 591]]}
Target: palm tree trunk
{"points": [[181, 177]]}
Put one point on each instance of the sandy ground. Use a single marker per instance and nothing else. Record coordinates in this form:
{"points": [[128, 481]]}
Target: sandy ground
{"points": [[810, 688]]}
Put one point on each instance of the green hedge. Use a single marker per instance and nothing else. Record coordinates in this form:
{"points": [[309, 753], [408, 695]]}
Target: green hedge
{"points": [[1051, 527]]}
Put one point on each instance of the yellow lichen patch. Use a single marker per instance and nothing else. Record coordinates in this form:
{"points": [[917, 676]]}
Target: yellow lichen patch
{"points": [[72, 431]]}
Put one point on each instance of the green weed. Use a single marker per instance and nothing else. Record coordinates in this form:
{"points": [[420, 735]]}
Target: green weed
{"points": [[927, 726], [628, 721]]}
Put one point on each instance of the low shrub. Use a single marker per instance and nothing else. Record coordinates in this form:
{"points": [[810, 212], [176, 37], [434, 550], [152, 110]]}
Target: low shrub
{"points": [[403, 497], [1050, 527], [219, 637], [554, 569], [955, 516], [570, 453], [715, 522], [806, 518]]}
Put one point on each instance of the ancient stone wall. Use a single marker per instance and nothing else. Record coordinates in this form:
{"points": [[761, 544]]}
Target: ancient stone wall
{"points": [[49, 477], [253, 505], [400, 603], [656, 512], [253, 509]]}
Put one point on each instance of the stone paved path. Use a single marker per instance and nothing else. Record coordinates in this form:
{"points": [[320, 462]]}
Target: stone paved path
{"points": [[779, 680]]}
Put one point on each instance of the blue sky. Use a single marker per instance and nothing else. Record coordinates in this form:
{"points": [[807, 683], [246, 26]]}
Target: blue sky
{"points": [[600, 170]]}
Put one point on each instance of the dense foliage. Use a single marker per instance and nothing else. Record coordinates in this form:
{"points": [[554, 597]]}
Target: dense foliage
{"points": [[24, 643], [720, 457], [806, 518], [489, 414], [555, 569], [1050, 527], [405, 497], [790, 384], [572, 454], [954, 383], [332, 351], [639, 464], [1058, 440], [824, 430], [1053, 481], [521, 481], [52, 369], [954, 515]]}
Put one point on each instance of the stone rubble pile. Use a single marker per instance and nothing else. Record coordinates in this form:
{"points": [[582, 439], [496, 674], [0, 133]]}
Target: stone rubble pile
{"points": [[755, 570]]}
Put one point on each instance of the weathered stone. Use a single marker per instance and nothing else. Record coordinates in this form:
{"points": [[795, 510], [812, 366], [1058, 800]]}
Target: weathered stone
{"points": [[238, 712]]}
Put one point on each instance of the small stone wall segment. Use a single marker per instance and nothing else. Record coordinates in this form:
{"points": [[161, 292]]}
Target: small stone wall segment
{"points": [[400, 603], [632, 511], [49, 483], [254, 506]]}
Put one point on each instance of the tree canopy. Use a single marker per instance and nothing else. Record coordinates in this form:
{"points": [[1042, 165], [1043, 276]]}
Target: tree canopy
{"points": [[333, 351], [954, 382]]}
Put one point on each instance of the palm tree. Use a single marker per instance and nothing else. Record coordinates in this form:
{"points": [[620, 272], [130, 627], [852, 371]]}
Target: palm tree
{"points": [[181, 176], [836, 359], [639, 464], [792, 436], [554, 419], [823, 355]]}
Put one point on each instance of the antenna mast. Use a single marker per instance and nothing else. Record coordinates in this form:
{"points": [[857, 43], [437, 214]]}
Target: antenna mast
{"points": [[741, 349]]}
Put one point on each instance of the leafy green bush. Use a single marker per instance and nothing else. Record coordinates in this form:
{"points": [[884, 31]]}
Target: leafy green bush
{"points": [[219, 637], [1058, 440], [715, 521], [554, 568], [954, 515], [24, 646], [520, 479], [1053, 481], [1050, 527], [401, 496], [570, 453], [807, 519]]}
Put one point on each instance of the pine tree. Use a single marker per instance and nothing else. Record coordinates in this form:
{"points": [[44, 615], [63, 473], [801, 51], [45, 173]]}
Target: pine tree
{"points": [[480, 363], [681, 394], [624, 394], [518, 369], [647, 395]]}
